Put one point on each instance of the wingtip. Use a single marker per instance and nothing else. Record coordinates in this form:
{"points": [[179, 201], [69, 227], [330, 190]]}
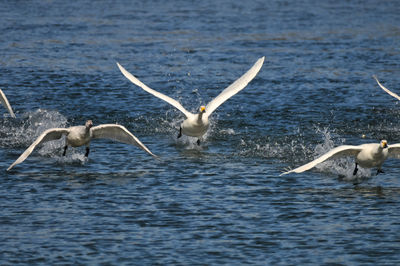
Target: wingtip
{"points": [[121, 68]]}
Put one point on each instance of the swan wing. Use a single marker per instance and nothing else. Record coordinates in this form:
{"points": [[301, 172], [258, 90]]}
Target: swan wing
{"points": [[385, 89], [118, 133], [48, 135], [235, 87], [169, 100], [394, 150], [340, 151], [6, 104]]}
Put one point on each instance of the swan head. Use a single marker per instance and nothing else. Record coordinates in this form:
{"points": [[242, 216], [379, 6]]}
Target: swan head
{"points": [[383, 144], [89, 124], [202, 109]]}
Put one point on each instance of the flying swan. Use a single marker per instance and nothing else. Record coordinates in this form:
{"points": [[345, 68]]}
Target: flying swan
{"points": [[6, 104], [366, 155], [196, 125], [385, 89], [82, 135]]}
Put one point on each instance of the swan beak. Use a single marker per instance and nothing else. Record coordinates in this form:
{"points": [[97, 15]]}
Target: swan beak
{"points": [[203, 109], [384, 144]]}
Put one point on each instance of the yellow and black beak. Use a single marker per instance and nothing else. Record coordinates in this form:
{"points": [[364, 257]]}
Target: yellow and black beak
{"points": [[203, 109], [384, 144]]}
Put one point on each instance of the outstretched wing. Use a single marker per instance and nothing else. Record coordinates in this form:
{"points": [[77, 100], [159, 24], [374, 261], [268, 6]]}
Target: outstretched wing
{"points": [[344, 150], [394, 150], [6, 104], [48, 135], [388, 91], [118, 133], [235, 87], [169, 100]]}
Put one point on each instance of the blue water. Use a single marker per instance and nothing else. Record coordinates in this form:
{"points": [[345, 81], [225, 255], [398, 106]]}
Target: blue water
{"points": [[223, 202]]}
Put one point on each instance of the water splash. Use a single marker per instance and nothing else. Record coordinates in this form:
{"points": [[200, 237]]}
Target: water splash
{"points": [[298, 149], [285, 148], [170, 123], [343, 166], [73, 156], [228, 131], [22, 132]]}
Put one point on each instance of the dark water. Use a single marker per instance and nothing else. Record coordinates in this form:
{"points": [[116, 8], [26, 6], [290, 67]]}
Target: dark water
{"points": [[223, 202]]}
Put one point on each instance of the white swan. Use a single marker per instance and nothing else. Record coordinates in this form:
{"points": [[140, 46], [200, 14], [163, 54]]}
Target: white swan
{"points": [[82, 135], [367, 155], [196, 125], [6, 104], [385, 89]]}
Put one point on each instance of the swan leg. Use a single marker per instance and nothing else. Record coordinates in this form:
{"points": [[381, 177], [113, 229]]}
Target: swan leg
{"points": [[87, 151], [379, 171], [198, 142], [355, 169], [180, 132], [65, 150]]}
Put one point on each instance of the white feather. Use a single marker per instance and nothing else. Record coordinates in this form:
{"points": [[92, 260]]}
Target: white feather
{"points": [[196, 125], [385, 89], [6, 104], [366, 155], [80, 135]]}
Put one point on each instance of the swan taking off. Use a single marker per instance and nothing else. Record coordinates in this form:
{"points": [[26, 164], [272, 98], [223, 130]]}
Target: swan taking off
{"points": [[82, 135], [367, 155], [6, 104], [385, 89], [196, 125]]}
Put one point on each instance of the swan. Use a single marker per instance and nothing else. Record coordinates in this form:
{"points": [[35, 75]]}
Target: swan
{"points": [[196, 125], [6, 104], [366, 155], [82, 135], [385, 89]]}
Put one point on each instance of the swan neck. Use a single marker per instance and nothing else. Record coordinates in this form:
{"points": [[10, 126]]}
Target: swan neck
{"points": [[200, 116]]}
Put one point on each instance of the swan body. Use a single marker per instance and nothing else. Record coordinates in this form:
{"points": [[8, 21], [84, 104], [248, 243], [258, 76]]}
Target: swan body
{"points": [[196, 125], [77, 136], [6, 104], [366, 155]]}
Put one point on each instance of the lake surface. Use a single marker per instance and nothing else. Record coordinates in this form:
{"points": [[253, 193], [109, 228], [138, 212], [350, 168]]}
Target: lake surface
{"points": [[222, 202]]}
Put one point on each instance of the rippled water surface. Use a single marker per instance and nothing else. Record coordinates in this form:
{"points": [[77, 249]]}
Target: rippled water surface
{"points": [[222, 202]]}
